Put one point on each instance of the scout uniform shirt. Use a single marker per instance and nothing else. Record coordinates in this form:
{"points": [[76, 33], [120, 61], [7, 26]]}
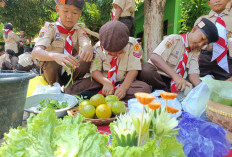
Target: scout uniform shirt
{"points": [[129, 60], [25, 59], [11, 41], [171, 49], [128, 7], [53, 40], [227, 18]]}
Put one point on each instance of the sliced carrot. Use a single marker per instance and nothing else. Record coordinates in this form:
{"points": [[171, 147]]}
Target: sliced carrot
{"points": [[171, 109], [168, 95], [154, 105], [144, 98]]}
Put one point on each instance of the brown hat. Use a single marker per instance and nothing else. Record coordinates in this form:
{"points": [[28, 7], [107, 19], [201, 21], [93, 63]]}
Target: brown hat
{"points": [[77, 3], [114, 36]]}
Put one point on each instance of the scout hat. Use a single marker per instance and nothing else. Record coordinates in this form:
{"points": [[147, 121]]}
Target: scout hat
{"points": [[209, 29], [114, 36], [77, 3]]}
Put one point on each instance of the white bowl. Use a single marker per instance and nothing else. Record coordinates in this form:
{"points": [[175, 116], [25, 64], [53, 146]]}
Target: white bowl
{"points": [[33, 102]]}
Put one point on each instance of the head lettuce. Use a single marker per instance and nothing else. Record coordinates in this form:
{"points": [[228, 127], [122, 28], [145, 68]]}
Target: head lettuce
{"points": [[48, 136]]}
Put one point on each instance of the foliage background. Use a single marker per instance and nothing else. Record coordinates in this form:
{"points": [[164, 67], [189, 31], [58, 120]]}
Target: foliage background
{"points": [[191, 10]]}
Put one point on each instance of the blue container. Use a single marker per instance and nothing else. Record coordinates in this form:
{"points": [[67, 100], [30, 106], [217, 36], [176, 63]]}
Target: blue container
{"points": [[13, 90]]}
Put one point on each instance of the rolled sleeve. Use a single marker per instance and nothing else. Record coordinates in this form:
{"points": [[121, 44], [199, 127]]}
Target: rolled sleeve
{"points": [[120, 3], [134, 61], [45, 36]]}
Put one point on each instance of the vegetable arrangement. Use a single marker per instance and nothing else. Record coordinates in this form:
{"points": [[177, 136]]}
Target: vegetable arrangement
{"points": [[69, 72], [52, 104]]}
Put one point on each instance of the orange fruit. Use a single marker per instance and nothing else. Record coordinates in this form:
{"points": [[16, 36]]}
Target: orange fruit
{"points": [[118, 107], [97, 99], [88, 111], [111, 98], [154, 105], [168, 95], [171, 109], [83, 103], [103, 111], [110, 103], [144, 98]]}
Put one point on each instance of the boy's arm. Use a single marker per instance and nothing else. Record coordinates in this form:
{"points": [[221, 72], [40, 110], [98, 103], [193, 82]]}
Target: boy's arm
{"points": [[130, 77], [118, 11], [108, 88], [41, 54], [159, 62], [194, 79]]}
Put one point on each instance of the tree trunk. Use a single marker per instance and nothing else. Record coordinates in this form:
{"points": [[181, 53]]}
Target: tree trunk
{"points": [[153, 25]]}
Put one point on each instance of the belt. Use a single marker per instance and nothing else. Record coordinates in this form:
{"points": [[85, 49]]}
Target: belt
{"points": [[126, 17], [209, 52]]}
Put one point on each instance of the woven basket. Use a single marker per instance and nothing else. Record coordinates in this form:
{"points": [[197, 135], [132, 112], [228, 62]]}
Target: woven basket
{"points": [[104, 121], [222, 115]]}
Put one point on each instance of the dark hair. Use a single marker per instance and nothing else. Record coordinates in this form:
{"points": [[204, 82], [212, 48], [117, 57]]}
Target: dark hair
{"points": [[10, 52], [8, 26], [22, 29]]}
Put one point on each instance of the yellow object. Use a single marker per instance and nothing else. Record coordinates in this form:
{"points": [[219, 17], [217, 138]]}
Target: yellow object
{"points": [[38, 80], [88, 111], [83, 103], [103, 111], [97, 99], [118, 107]]}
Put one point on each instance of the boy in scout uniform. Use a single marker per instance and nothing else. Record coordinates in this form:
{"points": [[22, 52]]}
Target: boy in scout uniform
{"points": [[116, 64], [216, 59], [124, 11], [60, 42], [10, 64], [177, 54]]}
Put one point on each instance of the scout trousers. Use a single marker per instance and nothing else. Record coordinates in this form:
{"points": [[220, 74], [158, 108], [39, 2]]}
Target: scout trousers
{"points": [[150, 75], [52, 72], [211, 68], [89, 87]]}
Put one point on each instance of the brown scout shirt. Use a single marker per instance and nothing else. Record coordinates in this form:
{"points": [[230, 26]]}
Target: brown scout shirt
{"points": [[53, 40], [171, 49], [11, 41], [128, 7], [129, 60], [228, 21]]}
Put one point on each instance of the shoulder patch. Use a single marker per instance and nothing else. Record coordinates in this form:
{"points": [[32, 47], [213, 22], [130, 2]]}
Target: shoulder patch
{"points": [[170, 41], [136, 47], [42, 31], [138, 52]]}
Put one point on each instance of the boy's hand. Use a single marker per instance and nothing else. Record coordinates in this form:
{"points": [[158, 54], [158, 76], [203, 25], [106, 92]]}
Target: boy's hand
{"points": [[64, 60], [229, 79], [120, 92], [86, 53], [108, 89], [181, 83]]}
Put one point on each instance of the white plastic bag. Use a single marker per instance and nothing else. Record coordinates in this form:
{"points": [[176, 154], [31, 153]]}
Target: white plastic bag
{"points": [[40, 89], [135, 107], [196, 100]]}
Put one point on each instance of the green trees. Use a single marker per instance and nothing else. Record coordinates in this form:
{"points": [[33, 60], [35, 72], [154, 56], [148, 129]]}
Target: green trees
{"points": [[191, 10]]}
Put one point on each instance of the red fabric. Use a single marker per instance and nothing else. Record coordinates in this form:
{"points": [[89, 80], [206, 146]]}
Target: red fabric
{"points": [[104, 129], [182, 64], [8, 31], [230, 153], [68, 42]]}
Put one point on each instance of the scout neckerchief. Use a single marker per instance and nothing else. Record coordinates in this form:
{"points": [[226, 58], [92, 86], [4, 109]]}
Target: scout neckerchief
{"points": [[182, 64], [68, 42], [112, 73], [7, 31], [220, 47]]}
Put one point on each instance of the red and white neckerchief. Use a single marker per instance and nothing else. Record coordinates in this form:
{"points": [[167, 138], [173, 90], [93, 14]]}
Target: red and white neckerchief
{"points": [[68, 42], [7, 31], [112, 73], [182, 64], [220, 47], [21, 44]]}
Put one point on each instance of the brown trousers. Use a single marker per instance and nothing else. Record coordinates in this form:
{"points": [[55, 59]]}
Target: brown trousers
{"points": [[52, 72], [150, 75], [129, 23], [211, 68], [88, 87]]}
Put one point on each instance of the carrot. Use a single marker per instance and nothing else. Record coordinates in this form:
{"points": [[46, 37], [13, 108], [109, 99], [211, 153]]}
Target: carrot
{"points": [[168, 95], [154, 105], [144, 98], [171, 109]]}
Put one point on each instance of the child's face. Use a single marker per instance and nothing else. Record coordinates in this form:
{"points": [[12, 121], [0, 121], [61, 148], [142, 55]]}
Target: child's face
{"points": [[69, 15], [218, 5], [116, 53], [197, 39]]}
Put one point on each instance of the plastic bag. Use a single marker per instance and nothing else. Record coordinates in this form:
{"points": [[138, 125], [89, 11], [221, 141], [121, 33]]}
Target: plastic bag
{"points": [[220, 91], [38, 80], [135, 107], [55, 89], [201, 138], [196, 100]]}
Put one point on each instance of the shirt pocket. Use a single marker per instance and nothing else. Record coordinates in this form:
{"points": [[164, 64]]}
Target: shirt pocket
{"points": [[58, 43], [173, 59]]}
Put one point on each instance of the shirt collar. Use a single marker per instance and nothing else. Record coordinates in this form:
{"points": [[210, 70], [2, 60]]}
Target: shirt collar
{"points": [[212, 13]]}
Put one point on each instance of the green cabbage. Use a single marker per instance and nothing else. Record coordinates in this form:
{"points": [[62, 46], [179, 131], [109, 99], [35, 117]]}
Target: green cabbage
{"points": [[48, 136]]}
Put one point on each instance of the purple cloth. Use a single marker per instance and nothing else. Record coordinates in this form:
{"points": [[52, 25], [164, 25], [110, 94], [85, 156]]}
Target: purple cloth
{"points": [[201, 138]]}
